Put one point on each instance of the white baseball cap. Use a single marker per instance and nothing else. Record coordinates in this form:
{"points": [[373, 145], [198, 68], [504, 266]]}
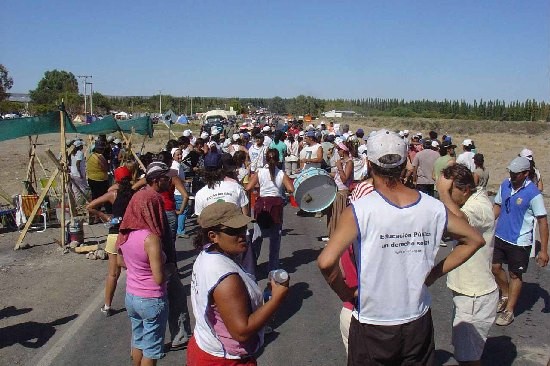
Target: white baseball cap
{"points": [[187, 133], [215, 131], [435, 143], [78, 143], [301, 133], [117, 141], [467, 142], [266, 129], [236, 136], [526, 153], [383, 143], [361, 149], [204, 135]]}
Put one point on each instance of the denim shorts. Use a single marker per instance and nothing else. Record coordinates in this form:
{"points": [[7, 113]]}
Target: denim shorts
{"points": [[148, 317]]}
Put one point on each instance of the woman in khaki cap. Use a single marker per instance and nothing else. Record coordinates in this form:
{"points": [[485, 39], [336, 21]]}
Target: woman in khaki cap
{"points": [[227, 303]]}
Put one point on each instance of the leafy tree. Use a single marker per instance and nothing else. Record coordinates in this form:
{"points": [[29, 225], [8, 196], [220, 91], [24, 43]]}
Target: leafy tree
{"points": [[6, 82], [102, 104], [236, 104], [277, 105], [55, 86]]}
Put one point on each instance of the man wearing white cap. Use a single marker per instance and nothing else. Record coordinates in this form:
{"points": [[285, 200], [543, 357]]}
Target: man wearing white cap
{"points": [[266, 130], [467, 156], [518, 204], [189, 134], [236, 144], [395, 262], [423, 166], [534, 173]]}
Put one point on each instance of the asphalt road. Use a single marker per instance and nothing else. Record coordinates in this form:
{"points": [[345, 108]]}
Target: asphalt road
{"points": [[306, 328]]}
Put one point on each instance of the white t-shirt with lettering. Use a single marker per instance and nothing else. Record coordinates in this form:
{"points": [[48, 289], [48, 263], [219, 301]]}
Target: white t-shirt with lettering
{"points": [[396, 251], [225, 191]]}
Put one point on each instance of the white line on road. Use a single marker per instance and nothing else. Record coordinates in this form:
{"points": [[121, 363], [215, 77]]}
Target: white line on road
{"points": [[94, 302]]}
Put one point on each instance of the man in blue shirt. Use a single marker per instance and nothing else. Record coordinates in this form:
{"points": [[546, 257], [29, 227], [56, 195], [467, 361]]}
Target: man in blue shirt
{"points": [[518, 204]]}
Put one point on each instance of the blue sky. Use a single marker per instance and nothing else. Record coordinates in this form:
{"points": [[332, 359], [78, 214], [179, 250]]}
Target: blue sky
{"points": [[465, 49]]}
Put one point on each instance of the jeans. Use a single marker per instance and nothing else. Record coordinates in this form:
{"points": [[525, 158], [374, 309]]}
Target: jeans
{"points": [[148, 319], [274, 234], [181, 218], [178, 313], [172, 223]]}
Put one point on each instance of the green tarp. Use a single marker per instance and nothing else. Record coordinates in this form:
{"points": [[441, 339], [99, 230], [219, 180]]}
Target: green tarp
{"points": [[50, 123], [141, 125], [30, 126]]}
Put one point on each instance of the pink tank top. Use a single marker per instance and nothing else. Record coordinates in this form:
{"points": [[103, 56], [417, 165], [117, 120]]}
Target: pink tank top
{"points": [[139, 280]]}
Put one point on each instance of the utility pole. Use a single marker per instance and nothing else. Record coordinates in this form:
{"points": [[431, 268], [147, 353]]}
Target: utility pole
{"points": [[160, 103], [91, 98], [85, 77]]}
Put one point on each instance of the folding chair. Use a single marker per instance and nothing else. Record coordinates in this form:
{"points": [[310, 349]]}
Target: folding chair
{"points": [[28, 203]]}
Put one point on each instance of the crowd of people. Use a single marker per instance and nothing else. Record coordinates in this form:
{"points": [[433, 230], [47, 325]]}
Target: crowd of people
{"points": [[434, 195]]}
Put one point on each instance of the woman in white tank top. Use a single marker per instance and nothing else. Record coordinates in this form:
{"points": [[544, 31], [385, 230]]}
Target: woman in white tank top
{"points": [[227, 303], [268, 210]]}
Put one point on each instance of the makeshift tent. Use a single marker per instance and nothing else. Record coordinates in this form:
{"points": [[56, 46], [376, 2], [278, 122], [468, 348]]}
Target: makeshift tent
{"points": [[170, 116], [215, 112], [121, 115], [39, 125], [141, 125], [182, 119]]}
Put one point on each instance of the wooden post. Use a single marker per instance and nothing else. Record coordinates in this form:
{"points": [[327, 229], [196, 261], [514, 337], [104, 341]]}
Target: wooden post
{"points": [[35, 210], [143, 167], [63, 172]]}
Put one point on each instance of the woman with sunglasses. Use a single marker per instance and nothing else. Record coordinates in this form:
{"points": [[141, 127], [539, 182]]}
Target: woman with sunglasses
{"points": [[227, 302]]}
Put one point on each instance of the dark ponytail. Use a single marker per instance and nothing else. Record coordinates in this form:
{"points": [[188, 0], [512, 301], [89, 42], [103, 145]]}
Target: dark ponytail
{"points": [[272, 158]]}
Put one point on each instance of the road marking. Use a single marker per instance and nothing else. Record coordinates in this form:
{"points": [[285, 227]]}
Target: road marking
{"points": [[94, 303]]}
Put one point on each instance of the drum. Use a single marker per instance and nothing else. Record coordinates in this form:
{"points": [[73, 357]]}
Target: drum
{"points": [[314, 190]]}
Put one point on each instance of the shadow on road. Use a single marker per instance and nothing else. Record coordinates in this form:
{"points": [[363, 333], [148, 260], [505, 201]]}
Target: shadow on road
{"points": [[297, 293], [186, 254], [530, 294], [499, 351], [13, 311], [289, 264], [31, 334]]}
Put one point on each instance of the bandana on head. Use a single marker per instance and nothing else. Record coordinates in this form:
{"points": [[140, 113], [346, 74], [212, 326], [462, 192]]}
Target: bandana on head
{"points": [[145, 211]]}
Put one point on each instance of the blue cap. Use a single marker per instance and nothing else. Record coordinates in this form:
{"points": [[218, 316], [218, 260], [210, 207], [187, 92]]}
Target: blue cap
{"points": [[310, 133], [212, 161]]}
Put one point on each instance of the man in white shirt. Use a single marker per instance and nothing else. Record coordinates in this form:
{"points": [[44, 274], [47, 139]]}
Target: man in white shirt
{"points": [[475, 291], [396, 233], [256, 153], [311, 155], [217, 188], [467, 156]]}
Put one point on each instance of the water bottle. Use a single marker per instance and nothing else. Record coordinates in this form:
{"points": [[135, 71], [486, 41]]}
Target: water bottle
{"points": [[278, 275], [267, 293]]}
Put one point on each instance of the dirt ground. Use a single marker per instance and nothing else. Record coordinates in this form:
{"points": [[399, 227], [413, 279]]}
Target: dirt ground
{"points": [[41, 288]]}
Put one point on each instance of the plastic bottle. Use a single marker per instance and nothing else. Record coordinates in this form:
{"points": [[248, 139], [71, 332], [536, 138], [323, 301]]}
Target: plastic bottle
{"points": [[278, 275]]}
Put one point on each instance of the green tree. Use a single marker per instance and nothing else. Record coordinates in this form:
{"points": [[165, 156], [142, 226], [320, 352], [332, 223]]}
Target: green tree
{"points": [[6, 82], [277, 105], [102, 104], [236, 104], [56, 86]]}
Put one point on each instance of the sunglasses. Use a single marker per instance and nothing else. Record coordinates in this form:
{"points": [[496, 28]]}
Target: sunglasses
{"points": [[234, 231]]}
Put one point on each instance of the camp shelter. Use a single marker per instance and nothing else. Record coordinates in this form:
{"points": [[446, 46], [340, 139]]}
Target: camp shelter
{"points": [[30, 126], [170, 116], [182, 120], [141, 125], [215, 112], [121, 115]]}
